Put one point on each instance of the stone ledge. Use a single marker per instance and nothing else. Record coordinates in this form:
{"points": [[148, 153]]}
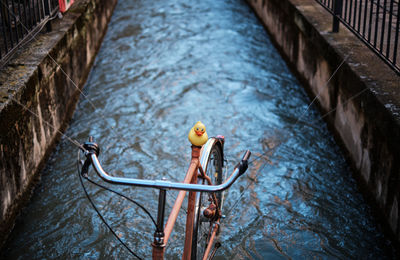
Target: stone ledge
{"points": [[362, 99], [35, 80]]}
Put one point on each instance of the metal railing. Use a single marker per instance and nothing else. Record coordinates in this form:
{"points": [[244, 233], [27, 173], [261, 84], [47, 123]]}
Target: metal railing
{"points": [[20, 20], [375, 22]]}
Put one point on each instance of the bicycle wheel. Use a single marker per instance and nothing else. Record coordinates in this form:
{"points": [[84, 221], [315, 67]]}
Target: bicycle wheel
{"points": [[211, 160]]}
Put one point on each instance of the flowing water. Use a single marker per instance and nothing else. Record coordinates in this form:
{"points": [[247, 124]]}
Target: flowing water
{"points": [[163, 66]]}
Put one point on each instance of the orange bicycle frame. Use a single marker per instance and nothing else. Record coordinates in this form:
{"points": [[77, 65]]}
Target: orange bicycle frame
{"points": [[191, 177]]}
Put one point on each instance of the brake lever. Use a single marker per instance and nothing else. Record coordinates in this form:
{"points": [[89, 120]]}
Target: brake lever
{"points": [[85, 168], [90, 147]]}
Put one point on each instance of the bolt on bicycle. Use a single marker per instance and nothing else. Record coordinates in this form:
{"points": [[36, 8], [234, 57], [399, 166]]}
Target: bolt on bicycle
{"points": [[205, 183]]}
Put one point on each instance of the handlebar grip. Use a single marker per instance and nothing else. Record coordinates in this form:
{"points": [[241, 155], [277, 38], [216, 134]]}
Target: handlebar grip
{"points": [[243, 164], [92, 146], [246, 155]]}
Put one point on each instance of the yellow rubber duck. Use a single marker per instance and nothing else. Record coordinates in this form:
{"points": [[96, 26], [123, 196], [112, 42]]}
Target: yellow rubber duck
{"points": [[198, 135]]}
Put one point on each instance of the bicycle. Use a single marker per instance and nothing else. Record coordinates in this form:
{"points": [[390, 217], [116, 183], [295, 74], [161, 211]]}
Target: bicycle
{"points": [[203, 180]]}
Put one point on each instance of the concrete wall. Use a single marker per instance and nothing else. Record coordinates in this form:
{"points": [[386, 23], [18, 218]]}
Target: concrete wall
{"points": [[35, 81], [363, 97]]}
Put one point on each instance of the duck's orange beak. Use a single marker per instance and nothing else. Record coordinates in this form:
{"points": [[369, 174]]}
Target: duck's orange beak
{"points": [[199, 133]]}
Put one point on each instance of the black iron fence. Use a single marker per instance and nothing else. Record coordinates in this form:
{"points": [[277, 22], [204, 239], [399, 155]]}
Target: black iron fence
{"points": [[20, 20], [375, 22]]}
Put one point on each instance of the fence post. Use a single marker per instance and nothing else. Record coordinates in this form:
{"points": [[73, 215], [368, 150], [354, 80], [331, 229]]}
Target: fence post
{"points": [[337, 12], [47, 13]]}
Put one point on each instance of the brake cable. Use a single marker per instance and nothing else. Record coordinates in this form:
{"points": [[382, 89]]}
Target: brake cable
{"points": [[103, 220], [101, 216], [125, 197]]}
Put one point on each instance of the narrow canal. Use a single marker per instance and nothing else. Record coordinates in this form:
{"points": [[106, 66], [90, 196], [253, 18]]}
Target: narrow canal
{"points": [[163, 66]]}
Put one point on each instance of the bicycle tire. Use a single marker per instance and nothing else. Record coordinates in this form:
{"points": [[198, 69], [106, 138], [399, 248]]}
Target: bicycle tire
{"points": [[211, 160]]}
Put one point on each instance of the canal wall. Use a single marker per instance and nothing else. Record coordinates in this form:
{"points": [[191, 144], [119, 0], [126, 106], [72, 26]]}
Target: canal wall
{"points": [[361, 103], [37, 100]]}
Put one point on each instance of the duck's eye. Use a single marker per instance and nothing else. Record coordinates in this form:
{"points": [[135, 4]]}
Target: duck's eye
{"points": [[197, 129], [202, 129]]}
